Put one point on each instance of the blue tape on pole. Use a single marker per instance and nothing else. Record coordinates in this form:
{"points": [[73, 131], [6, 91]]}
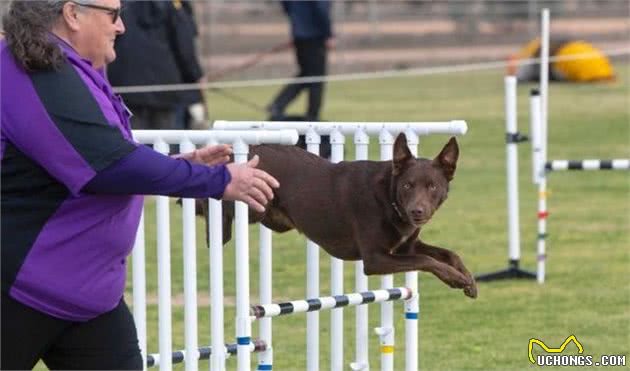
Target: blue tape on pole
{"points": [[411, 315], [264, 367], [243, 341]]}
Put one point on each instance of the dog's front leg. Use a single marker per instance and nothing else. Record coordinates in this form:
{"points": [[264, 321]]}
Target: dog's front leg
{"points": [[447, 257], [382, 262]]}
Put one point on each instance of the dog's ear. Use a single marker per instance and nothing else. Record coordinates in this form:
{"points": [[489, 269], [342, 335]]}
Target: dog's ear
{"points": [[401, 154], [447, 159]]}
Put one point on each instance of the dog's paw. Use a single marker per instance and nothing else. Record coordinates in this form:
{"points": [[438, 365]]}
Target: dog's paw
{"points": [[471, 290]]}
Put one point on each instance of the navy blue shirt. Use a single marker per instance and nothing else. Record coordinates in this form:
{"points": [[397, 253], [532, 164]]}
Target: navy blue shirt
{"points": [[309, 19]]}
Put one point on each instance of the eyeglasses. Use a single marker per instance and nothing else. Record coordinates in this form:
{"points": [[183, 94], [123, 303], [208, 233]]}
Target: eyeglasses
{"points": [[113, 12]]}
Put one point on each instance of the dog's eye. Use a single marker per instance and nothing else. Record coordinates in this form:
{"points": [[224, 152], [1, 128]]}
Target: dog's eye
{"points": [[432, 187], [407, 186]]}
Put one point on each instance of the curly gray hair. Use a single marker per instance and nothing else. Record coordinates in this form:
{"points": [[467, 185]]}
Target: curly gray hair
{"points": [[27, 26]]}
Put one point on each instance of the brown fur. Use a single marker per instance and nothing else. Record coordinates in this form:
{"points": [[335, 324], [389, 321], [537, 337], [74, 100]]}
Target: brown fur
{"points": [[347, 208]]}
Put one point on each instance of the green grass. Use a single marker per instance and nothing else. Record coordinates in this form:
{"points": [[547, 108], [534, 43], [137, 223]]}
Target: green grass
{"points": [[587, 289]]}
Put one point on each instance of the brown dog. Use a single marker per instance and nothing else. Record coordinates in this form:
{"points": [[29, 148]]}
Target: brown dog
{"points": [[368, 210]]}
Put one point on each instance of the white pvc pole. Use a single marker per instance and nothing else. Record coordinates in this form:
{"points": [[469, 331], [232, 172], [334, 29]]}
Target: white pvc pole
{"points": [[140, 290], [219, 352], [534, 128], [190, 275], [539, 147], [361, 145], [512, 168], [412, 306], [285, 136], [542, 229], [544, 77], [386, 330], [544, 109], [312, 280], [336, 275], [164, 273], [243, 322], [265, 359], [454, 127]]}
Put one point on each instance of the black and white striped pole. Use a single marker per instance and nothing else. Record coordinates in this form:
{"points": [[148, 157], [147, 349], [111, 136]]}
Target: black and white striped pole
{"points": [[329, 302]]}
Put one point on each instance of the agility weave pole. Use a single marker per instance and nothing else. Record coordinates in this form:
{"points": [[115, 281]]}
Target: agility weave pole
{"points": [[219, 351], [542, 167], [187, 139], [361, 132], [512, 138]]}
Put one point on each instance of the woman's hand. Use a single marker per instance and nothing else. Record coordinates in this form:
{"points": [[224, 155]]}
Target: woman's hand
{"points": [[208, 155], [250, 185]]}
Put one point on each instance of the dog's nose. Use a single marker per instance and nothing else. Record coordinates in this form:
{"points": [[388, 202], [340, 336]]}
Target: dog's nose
{"points": [[417, 213]]}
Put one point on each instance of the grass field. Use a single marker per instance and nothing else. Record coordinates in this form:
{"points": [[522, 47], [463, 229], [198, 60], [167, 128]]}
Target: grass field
{"points": [[587, 292]]}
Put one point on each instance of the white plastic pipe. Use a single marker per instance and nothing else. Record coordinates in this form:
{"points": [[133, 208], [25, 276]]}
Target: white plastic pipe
{"points": [[542, 214], [386, 330], [412, 305], [190, 275], [337, 141], [164, 273], [361, 362], [538, 165], [265, 359], [217, 330], [312, 279], [544, 78], [454, 127], [542, 229], [243, 322], [140, 290], [512, 168], [285, 136]]}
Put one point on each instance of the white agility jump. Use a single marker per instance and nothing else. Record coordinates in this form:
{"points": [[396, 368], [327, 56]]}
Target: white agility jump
{"points": [[540, 165], [218, 352]]}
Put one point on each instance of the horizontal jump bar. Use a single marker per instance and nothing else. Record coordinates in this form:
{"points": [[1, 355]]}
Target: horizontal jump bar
{"points": [[330, 302], [286, 136], [560, 165], [454, 127], [179, 356]]}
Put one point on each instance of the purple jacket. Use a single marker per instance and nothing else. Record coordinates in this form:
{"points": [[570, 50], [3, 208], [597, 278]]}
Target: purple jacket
{"points": [[70, 179]]}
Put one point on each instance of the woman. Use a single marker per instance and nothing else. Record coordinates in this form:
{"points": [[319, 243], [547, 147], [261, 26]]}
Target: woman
{"points": [[71, 180]]}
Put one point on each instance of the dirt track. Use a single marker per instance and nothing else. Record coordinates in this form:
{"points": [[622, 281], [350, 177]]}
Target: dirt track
{"points": [[403, 44]]}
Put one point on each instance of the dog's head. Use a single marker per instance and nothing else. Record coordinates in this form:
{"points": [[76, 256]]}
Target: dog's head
{"points": [[419, 186]]}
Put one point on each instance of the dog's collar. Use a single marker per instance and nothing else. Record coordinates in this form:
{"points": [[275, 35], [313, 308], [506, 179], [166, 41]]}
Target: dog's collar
{"points": [[397, 210], [392, 195]]}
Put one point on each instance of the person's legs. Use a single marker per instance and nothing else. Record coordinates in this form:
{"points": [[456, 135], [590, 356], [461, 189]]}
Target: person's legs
{"points": [[107, 342], [290, 91], [314, 62], [163, 119], [26, 334], [148, 118], [139, 118]]}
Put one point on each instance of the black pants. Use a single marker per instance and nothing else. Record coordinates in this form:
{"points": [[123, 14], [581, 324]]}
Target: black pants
{"points": [[107, 342], [149, 118], [311, 57]]}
